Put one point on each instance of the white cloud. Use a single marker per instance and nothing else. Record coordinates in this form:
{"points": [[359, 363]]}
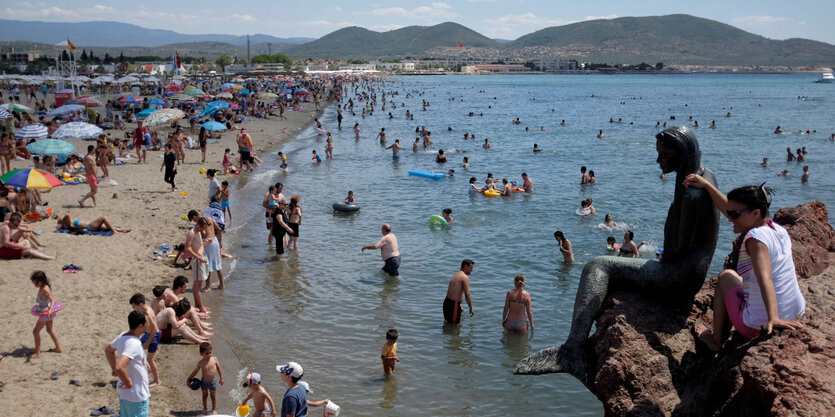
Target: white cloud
{"points": [[385, 28], [388, 11], [243, 17], [758, 20], [435, 11]]}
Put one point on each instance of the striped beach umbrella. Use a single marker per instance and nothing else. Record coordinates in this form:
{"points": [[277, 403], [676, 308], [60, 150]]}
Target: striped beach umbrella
{"points": [[65, 109], [30, 178], [4, 114], [163, 116], [180, 97], [214, 126], [54, 147], [32, 132], [130, 99], [12, 107], [89, 101], [76, 130]]}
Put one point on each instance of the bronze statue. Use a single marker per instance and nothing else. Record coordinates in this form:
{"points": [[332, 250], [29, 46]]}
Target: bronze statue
{"points": [[690, 234]]}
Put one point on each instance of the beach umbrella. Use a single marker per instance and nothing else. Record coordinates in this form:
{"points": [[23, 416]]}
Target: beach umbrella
{"points": [[130, 99], [225, 86], [36, 131], [219, 103], [208, 112], [224, 95], [301, 92], [88, 101], [156, 101], [267, 95], [174, 88], [54, 147], [237, 87], [285, 91], [145, 113], [244, 91], [163, 116], [180, 97], [194, 92], [76, 130], [127, 79], [30, 178], [65, 109], [4, 114], [213, 126], [12, 107]]}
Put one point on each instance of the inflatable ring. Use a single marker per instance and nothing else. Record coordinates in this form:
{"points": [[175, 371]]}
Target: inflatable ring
{"points": [[437, 220], [518, 190], [41, 311], [492, 193], [583, 211], [345, 208]]}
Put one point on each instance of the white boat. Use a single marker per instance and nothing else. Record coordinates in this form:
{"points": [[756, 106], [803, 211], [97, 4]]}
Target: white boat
{"points": [[827, 77]]}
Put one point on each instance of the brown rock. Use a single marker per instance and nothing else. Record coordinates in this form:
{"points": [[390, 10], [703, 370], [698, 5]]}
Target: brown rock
{"points": [[645, 360]]}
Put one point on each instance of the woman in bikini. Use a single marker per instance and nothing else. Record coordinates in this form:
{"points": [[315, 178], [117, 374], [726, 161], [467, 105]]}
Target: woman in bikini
{"points": [[628, 249], [6, 152], [101, 224], [517, 308]]}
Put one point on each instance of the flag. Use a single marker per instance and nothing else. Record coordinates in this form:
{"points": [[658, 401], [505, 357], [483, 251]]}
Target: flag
{"points": [[460, 45], [175, 62], [70, 46]]}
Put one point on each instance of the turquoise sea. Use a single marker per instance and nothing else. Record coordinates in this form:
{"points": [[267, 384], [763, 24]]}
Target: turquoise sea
{"points": [[328, 306]]}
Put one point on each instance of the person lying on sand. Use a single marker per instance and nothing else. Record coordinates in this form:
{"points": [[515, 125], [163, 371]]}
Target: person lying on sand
{"points": [[101, 224]]}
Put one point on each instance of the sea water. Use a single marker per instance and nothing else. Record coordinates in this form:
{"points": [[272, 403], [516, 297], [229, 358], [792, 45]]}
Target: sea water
{"points": [[328, 307]]}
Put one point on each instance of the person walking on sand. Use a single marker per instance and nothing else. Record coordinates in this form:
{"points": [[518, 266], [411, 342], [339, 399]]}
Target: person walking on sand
{"points": [[199, 263], [44, 300], [127, 362], [245, 144], [388, 250], [139, 142], [458, 291], [169, 163], [90, 174]]}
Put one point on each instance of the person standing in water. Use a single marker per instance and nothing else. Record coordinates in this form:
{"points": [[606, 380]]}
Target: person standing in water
{"points": [[388, 250], [458, 291], [565, 247], [395, 149], [517, 308]]}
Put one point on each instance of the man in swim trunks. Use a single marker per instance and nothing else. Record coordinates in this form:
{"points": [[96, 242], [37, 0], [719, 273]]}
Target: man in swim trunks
{"points": [[90, 173], [12, 245], [150, 340], [527, 183], [459, 288], [388, 250]]}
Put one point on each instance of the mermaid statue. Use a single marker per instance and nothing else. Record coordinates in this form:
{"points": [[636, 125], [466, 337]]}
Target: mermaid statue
{"points": [[690, 233]]}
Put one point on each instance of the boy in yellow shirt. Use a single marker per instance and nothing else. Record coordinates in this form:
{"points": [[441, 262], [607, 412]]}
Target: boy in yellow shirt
{"points": [[389, 353]]}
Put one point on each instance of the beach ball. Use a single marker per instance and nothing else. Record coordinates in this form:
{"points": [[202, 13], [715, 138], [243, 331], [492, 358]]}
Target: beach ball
{"points": [[194, 384], [242, 411]]}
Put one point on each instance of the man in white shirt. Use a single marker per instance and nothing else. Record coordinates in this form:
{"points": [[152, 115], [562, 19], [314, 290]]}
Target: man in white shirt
{"points": [[388, 250], [127, 361]]}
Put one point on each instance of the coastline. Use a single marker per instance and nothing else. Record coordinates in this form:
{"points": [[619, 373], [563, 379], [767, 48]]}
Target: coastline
{"points": [[115, 267]]}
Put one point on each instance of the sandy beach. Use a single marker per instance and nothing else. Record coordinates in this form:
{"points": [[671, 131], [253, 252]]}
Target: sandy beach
{"points": [[96, 299]]}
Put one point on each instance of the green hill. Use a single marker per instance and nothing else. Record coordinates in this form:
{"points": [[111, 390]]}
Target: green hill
{"points": [[356, 42], [678, 38]]}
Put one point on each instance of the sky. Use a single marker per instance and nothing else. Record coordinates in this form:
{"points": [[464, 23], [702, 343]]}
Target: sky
{"points": [[504, 19]]}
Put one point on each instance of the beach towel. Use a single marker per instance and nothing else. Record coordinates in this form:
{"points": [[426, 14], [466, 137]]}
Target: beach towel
{"points": [[72, 183], [85, 232]]}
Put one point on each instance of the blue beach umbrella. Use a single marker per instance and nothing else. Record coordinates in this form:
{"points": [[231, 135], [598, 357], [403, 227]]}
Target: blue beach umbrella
{"points": [[208, 112], [145, 113], [243, 92], [285, 91], [65, 109], [219, 103], [156, 101], [226, 86], [213, 126]]}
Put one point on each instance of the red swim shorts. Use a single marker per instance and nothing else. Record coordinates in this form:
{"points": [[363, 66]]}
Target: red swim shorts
{"points": [[92, 180], [10, 253]]}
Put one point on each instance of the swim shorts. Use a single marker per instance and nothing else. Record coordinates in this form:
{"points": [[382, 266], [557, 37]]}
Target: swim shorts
{"points": [[10, 253], [133, 409], [735, 304], [295, 228], [152, 348], [225, 204], [210, 385], [92, 180], [452, 311], [392, 266], [165, 334], [201, 270]]}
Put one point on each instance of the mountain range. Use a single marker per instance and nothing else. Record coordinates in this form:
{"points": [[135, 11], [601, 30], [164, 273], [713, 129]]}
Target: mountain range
{"points": [[672, 39]]}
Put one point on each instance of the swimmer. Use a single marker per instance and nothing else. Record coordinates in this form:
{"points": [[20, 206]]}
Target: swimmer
{"points": [[609, 221], [790, 157], [536, 148], [416, 145], [783, 173], [517, 121], [600, 134], [542, 128], [486, 144], [713, 124], [466, 163], [350, 199], [565, 247], [441, 158], [507, 188], [612, 244], [562, 123], [805, 176], [764, 163], [450, 173], [395, 149], [778, 130], [527, 183], [585, 178], [316, 156], [474, 189], [447, 215], [382, 136]]}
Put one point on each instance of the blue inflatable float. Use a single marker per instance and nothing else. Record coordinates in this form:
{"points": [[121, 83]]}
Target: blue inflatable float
{"points": [[426, 174]]}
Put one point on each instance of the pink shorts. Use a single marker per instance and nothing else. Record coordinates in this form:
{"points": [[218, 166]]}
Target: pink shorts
{"points": [[735, 303]]}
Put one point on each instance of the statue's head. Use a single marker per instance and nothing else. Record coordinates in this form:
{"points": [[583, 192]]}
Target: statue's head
{"points": [[678, 150]]}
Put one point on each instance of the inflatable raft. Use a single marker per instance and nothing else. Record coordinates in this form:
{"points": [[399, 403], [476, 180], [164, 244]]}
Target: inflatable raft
{"points": [[426, 174]]}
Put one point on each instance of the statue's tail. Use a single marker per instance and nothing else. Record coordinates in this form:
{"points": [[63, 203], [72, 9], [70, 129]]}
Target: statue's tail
{"points": [[557, 359]]}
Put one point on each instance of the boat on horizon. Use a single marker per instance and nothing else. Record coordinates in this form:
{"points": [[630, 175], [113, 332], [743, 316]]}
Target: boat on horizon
{"points": [[827, 77]]}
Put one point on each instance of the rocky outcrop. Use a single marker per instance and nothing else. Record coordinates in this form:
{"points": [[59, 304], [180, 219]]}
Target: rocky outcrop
{"points": [[646, 362]]}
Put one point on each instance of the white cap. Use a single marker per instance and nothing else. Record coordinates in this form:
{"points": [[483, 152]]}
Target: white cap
{"points": [[253, 378], [291, 368], [306, 386]]}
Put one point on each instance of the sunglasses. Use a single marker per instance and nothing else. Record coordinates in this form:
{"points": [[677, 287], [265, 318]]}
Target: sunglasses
{"points": [[734, 214]]}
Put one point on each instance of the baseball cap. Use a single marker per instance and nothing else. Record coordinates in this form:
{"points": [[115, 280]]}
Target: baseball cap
{"points": [[253, 378], [306, 386], [291, 368], [659, 251]]}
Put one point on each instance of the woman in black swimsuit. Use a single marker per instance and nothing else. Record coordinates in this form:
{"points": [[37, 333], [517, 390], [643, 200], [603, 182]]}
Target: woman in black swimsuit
{"points": [[202, 139]]}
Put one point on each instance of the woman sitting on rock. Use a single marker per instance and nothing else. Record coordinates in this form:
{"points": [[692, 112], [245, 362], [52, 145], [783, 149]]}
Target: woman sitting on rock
{"points": [[761, 291]]}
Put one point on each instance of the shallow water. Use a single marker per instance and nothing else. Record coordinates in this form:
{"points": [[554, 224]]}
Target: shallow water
{"points": [[327, 306]]}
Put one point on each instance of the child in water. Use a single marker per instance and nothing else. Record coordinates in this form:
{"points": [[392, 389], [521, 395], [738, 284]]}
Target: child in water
{"points": [[44, 300], [316, 156], [389, 353], [283, 159], [349, 199]]}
